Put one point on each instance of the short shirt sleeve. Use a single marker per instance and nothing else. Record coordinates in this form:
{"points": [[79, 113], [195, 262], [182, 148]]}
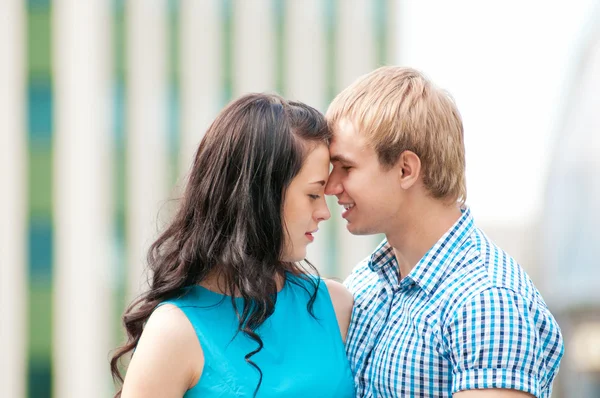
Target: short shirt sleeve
{"points": [[498, 340]]}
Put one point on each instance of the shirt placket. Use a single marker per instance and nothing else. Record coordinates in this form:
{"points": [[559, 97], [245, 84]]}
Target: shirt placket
{"points": [[385, 301]]}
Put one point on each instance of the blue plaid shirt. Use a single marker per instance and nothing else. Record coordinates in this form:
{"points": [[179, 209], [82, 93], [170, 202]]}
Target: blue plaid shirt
{"points": [[466, 317]]}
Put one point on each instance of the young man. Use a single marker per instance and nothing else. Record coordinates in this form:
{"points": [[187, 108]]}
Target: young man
{"points": [[440, 310]]}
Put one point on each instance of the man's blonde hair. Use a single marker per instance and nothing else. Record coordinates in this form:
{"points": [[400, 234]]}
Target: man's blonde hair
{"points": [[398, 109]]}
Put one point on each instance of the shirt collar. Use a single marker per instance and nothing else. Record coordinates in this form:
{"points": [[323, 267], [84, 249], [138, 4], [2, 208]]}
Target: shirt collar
{"points": [[429, 271], [383, 262]]}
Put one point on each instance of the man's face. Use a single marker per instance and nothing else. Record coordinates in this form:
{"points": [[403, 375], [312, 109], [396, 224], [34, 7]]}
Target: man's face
{"points": [[370, 194]]}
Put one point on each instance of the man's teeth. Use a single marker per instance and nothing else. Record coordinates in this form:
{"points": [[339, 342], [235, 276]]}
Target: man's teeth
{"points": [[346, 207]]}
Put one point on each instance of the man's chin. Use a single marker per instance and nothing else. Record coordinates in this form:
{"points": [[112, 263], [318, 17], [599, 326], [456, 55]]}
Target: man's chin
{"points": [[355, 229]]}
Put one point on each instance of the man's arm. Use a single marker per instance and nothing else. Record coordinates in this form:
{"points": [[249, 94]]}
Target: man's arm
{"points": [[492, 393], [500, 345]]}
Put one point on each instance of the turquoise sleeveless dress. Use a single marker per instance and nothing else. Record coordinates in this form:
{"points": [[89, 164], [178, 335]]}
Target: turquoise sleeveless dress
{"points": [[302, 356]]}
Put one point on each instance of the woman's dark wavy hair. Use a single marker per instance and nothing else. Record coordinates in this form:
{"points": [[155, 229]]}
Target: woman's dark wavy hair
{"points": [[230, 222]]}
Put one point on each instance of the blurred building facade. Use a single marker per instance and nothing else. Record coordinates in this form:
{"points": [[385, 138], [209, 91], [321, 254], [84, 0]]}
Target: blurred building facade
{"points": [[570, 240], [561, 249], [103, 106]]}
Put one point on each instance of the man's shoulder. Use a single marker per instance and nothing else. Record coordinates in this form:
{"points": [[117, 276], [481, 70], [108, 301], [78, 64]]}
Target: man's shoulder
{"points": [[479, 266], [503, 270], [484, 277]]}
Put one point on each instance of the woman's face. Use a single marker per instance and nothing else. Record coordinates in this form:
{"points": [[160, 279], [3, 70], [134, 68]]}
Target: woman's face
{"points": [[304, 206]]}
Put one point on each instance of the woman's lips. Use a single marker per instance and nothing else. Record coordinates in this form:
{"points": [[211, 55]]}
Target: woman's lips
{"points": [[309, 235]]}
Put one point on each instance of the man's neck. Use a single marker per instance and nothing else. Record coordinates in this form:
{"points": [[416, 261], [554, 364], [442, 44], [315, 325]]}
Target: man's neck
{"points": [[429, 221]]}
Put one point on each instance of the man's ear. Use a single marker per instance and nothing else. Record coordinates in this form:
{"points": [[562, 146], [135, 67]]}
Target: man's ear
{"points": [[409, 169]]}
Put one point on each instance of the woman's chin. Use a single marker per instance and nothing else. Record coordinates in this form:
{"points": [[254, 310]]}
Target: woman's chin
{"points": [[297, 256]]}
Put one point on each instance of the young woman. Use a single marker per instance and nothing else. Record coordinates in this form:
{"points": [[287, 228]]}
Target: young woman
{"points": [[230, 312]]}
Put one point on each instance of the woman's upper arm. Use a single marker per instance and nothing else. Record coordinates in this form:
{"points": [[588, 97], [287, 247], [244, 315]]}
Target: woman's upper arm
{"points": [[342, 303], [168, 359]]}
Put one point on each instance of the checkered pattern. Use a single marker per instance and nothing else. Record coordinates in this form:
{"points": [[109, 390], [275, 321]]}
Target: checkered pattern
{"points": [[466, 317]]}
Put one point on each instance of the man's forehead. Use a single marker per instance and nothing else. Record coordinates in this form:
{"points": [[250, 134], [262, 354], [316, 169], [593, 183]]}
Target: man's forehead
{"points": [[334, 150], [344, 127], [345, 135], [342, 151], [342, 132]]}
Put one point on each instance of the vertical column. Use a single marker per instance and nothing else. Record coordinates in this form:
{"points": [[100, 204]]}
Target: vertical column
{"points": [[392, 30], [147, 141], [355, 49], [82, 197], [305, 80], [201, 73], [253, 47], [13, 201], [305, 52], [355, 40]]}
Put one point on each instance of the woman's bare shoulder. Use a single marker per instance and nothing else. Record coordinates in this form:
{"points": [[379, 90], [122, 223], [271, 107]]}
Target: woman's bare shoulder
{"points": [[168, 359]]}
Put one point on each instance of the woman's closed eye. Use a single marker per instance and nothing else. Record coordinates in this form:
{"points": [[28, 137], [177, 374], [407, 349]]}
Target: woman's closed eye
{"points": [[314, 197]]}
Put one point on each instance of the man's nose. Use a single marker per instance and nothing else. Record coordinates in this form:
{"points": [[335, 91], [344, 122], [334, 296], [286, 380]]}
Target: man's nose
{"points": [[334, 185]]}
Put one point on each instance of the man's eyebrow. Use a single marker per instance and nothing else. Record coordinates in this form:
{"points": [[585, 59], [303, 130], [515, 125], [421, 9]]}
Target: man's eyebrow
{"points": [[341, 158]]}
